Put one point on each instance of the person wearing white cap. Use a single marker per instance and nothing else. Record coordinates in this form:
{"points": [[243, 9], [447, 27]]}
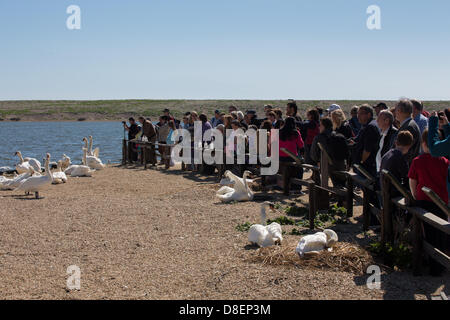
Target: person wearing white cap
{"points": [[332, 108]]}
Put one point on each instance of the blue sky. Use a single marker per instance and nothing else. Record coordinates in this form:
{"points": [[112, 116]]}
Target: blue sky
{"points": [[234, 49]]}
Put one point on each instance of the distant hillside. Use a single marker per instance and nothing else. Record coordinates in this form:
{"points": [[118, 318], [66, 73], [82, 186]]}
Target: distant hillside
{"points": [[111, 110]]}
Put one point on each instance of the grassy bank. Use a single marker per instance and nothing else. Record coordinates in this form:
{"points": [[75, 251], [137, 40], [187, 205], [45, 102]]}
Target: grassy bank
{"points": [[120, 109]]}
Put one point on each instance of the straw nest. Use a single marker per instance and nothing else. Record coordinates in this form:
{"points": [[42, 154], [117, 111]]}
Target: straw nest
{"points": [[345, 257]]}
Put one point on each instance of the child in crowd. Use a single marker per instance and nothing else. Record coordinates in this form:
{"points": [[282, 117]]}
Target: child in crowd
{"points": [[431, 172], [395, 162]]}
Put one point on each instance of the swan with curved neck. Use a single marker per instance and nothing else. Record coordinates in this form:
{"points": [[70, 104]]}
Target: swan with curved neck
{"points": [[94, 153], [92, 162], [59, 176], [35, 183], [262, 235], [315, 243], [239, 192], [24, 164]]}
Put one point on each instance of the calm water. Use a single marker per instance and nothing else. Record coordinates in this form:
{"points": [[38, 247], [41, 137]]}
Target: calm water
{"points": [[35, 139]]}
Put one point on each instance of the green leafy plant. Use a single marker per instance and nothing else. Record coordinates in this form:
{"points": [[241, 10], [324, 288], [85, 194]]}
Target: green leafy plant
{"points": [[398, 255], [295, 232], [243, 227], [297, 211], [284, 221], [337, 211]]}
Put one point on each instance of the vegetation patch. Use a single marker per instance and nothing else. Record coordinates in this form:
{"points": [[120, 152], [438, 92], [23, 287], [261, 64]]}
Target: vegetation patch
{"points": [[395, 256]]}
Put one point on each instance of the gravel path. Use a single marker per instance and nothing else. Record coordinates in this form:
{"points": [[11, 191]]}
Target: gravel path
{"points": [[153, 235]]}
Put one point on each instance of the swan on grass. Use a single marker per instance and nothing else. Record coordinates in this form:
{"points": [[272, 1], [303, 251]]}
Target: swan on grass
{"points": [[59, 176], [263, 235], [315, 243], [240, 190], [35, 183], [26, 163]]}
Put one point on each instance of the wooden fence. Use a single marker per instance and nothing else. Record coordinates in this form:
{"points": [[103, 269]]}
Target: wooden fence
{"points": [[376, 203]]}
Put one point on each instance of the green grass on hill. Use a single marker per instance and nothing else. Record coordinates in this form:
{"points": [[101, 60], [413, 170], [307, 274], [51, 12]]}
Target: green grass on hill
{"points": [[117, 109]]}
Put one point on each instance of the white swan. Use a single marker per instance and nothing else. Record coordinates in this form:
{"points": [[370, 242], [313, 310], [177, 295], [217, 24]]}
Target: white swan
{"points": [[262, 235], [239, 192], [59, 176], [96, 152], [11, 184], [315, 243], [25, 163], [35, 183], [79, 170], [92, 162], [65, 162]]}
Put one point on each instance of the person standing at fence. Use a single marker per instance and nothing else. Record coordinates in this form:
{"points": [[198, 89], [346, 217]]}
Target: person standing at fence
{"points": [[403, 112], [149, 132], [292, 111], [340, 124], [335, 145], [385, 122], [440, 148], [431, 172], [354, 123], [395, 162], [291, 140], [133, 130], [418, 117], [215, 121], [310, 129], [366, 145], [163, 132]]}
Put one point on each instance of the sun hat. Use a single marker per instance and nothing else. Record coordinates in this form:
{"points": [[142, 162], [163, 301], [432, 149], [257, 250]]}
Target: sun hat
{"points": [[333, 107]]}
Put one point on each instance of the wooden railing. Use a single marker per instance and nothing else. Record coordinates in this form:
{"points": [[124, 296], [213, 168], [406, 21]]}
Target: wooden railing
{"points": [[421, 216]]}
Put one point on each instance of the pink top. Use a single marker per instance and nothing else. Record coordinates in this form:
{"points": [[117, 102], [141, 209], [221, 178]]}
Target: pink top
{"points": [[292, 145]]}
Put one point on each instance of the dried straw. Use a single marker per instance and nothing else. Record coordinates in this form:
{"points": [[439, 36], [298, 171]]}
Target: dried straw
{"points": [[345, 257]]}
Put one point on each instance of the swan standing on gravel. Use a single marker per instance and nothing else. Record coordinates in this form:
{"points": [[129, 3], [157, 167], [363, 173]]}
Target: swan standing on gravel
{"points": [[96, 152], [59, 176], [36, 183], [262, 235], [239, 192], [315, 243]]}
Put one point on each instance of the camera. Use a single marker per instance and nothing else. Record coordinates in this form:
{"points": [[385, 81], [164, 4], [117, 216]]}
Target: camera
{"points": [[124, 122]]}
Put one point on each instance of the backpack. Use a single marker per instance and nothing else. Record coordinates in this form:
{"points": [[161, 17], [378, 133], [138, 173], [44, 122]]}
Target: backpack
{"points": [[337, 147]]}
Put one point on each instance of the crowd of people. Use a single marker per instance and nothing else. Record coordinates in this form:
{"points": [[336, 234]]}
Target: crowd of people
{"points": [[406, 140]]}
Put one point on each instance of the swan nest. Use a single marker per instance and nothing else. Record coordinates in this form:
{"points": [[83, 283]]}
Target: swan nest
{"points": [[346, 257]]}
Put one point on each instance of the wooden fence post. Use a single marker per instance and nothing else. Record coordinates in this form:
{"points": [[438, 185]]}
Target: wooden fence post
{"points": [[124, 152], [323, 196], [417, 246], [286, 179], [366, 208], [387, 230], [312, 205], [349, 197], [144, 155]]}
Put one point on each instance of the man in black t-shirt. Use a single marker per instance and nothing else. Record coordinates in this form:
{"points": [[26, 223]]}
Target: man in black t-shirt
{"points": [[366, 145], [133, 129]]}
